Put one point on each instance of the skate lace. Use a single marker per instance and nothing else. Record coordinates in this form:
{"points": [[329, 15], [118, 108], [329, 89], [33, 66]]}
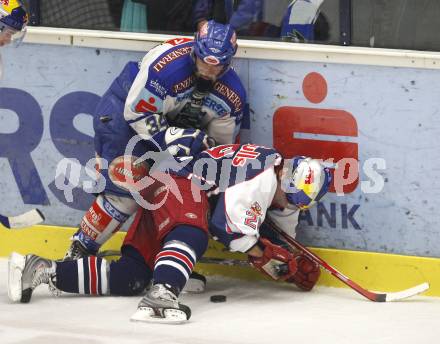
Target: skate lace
{"points": [[53, 290], [75, 252], [159, 292], [46, 276]]}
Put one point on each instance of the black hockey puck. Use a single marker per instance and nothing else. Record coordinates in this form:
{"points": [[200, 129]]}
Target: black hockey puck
{"points": [[218, 298]]}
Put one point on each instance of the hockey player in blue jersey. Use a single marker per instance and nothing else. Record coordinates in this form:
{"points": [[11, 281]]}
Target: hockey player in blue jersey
{"points": [[255, 187], [181, 83]]}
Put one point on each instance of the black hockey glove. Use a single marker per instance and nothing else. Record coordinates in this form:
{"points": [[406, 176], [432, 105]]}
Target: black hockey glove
{"points": [[191, 115]]}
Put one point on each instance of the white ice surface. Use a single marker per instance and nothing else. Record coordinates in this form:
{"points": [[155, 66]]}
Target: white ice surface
{"points": [[255, 312]]}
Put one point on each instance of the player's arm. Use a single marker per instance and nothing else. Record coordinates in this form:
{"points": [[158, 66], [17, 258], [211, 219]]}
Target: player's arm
{"points": [[144, 106], [276, 258], [183, 142], [223, 130], [144, 111], [245, 205]]}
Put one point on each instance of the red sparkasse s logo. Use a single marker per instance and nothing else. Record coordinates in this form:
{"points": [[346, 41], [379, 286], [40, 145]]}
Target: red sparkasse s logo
{"points": [[288, 121], [144, 106]]}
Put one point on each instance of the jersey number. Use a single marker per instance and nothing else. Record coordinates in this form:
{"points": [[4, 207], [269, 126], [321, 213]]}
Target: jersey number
{"points": [[251, 220]]}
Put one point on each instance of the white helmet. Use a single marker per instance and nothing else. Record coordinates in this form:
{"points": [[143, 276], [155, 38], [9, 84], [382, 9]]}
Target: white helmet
{"points": [[13, 20], [305, 182]]}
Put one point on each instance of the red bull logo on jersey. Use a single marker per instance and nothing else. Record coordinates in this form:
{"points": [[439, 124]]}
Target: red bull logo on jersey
{"points": [[253, 216], [256, 209]]}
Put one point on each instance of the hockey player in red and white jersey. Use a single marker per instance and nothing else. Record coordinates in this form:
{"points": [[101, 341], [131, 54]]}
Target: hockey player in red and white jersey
{"points": [[253, 184], [262, 190], [179, 84]]}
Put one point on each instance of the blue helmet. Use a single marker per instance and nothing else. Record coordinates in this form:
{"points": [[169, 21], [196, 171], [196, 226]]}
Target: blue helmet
{"points": [[215, 43], [306, 181], [13, 19]]}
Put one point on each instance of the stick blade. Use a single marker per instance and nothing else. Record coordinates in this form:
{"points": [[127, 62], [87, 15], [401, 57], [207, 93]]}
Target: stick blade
{"points": [[30, 218], [399, 295]]}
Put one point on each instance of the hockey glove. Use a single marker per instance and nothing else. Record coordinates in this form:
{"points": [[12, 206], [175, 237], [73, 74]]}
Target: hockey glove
{"points": [[307, 274], [186, 142], [276, 262], [190, 117]]}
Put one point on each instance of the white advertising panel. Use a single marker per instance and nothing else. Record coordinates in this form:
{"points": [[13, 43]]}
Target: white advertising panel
{"points": [[385, 118]]}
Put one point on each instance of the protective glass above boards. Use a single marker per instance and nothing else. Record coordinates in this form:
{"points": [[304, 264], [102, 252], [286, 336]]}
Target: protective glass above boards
{"points": [[396, 24], [278, 20]]}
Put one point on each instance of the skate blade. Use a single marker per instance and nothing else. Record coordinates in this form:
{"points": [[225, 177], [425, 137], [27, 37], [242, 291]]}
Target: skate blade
{"points": [[15, 271], [171, 316]]}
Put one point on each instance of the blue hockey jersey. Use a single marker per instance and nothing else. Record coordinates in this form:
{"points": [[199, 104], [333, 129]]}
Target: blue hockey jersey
{"points": [[163, 83]]}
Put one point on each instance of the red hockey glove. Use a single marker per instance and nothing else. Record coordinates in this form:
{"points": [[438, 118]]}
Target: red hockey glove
{"points": [[277, 262], [307, 274]]}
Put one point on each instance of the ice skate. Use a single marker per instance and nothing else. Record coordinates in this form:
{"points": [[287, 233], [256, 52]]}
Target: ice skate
{"points": [[161, 305], [76, 251], [82, 246], [25, 273]]}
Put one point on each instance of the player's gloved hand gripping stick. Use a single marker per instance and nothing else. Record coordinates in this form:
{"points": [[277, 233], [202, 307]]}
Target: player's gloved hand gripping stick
{"points": [[373, 296]]}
